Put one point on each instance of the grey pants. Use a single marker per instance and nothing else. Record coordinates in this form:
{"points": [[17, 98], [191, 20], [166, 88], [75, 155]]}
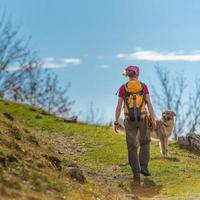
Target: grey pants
{"points": [[132, 139]]}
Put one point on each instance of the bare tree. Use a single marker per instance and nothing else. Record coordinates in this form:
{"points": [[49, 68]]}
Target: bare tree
{"points": [[22, 77], [37, 86], [170, 96], [194, 107], [12, 47], [23, 84], [54, 99], [93, 115], [31, 78]]}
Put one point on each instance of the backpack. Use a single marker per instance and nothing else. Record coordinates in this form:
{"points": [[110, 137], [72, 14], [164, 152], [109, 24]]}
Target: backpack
{"points": [[134, 100]]}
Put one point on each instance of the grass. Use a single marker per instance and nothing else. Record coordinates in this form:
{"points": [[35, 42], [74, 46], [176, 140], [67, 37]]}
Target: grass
{"points": [[101, 154]]}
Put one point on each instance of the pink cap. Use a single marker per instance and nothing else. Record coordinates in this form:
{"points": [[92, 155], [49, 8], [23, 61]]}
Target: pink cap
{"points": [[133, 68]]}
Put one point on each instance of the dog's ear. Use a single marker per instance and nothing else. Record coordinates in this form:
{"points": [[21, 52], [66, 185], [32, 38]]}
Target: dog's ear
{"points": [[174, 114], [163, 112]]}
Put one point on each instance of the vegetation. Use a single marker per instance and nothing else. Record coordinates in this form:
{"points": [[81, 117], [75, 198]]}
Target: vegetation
{"points": [[23, 76], [39, 155], [172, 93]]}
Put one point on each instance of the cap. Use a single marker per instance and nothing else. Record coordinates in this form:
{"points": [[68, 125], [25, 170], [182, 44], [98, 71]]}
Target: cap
{"points": [[132, 68]]}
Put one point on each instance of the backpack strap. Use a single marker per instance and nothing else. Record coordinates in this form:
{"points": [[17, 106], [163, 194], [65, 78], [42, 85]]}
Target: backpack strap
{"points": [[143, 92], [135, 108], [126, 94], [136, 114], [143, 99]]}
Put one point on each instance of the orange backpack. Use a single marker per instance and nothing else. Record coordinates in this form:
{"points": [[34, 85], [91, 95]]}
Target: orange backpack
{"points": [[134, 100]]}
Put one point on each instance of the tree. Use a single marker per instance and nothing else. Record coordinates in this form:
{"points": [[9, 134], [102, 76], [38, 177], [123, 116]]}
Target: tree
{"points": [[93, 115], [54, 99], [24, 83], [194, 107], [170, 96], [22, 77], [37, 86], [12, 47]]}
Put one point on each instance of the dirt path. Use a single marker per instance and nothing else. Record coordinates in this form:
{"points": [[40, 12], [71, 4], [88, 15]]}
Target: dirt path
{"points": [[110, 178]]}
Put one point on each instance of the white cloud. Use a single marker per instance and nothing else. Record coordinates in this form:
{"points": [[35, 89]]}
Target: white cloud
{"points": [[71, 61], [51, 63], [151, 55]]}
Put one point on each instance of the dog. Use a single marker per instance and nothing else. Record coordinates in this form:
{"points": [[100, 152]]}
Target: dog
{"points": [[162, 132]]}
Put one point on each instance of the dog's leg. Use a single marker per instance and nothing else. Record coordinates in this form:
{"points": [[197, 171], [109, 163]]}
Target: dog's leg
{"points": [[166, 146], [162, 148], [160, 145]]}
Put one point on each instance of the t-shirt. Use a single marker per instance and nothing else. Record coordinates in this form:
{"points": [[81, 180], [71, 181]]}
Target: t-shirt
{"points": [[121, 90]]}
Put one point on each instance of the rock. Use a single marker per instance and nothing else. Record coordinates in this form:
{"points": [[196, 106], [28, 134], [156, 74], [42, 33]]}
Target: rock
{"points": [[194, 140], [77, 174], [190, 140], [33, 140], [2, 161], [9, 116], [73, 119], [55, 161], [183, 141]]}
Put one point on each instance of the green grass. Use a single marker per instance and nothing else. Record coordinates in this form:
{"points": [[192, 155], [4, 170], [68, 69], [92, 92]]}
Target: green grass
{"points": [[103, 161]]}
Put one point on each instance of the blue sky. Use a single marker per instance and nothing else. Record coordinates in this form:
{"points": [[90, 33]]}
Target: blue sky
{"points": [[90, 42]]}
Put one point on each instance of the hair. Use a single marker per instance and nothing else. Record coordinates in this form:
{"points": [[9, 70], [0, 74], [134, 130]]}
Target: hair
{"points": [[131, 74]]}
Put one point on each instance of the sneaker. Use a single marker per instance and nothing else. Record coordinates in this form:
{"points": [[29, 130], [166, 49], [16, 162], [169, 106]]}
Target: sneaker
{"points": [[145, 172]]}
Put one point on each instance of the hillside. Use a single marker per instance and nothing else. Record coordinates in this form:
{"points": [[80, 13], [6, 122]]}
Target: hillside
{"points": [[43, 157]]}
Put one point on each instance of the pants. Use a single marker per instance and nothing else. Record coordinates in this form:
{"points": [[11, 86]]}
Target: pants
{"points": [[132, 139]]}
